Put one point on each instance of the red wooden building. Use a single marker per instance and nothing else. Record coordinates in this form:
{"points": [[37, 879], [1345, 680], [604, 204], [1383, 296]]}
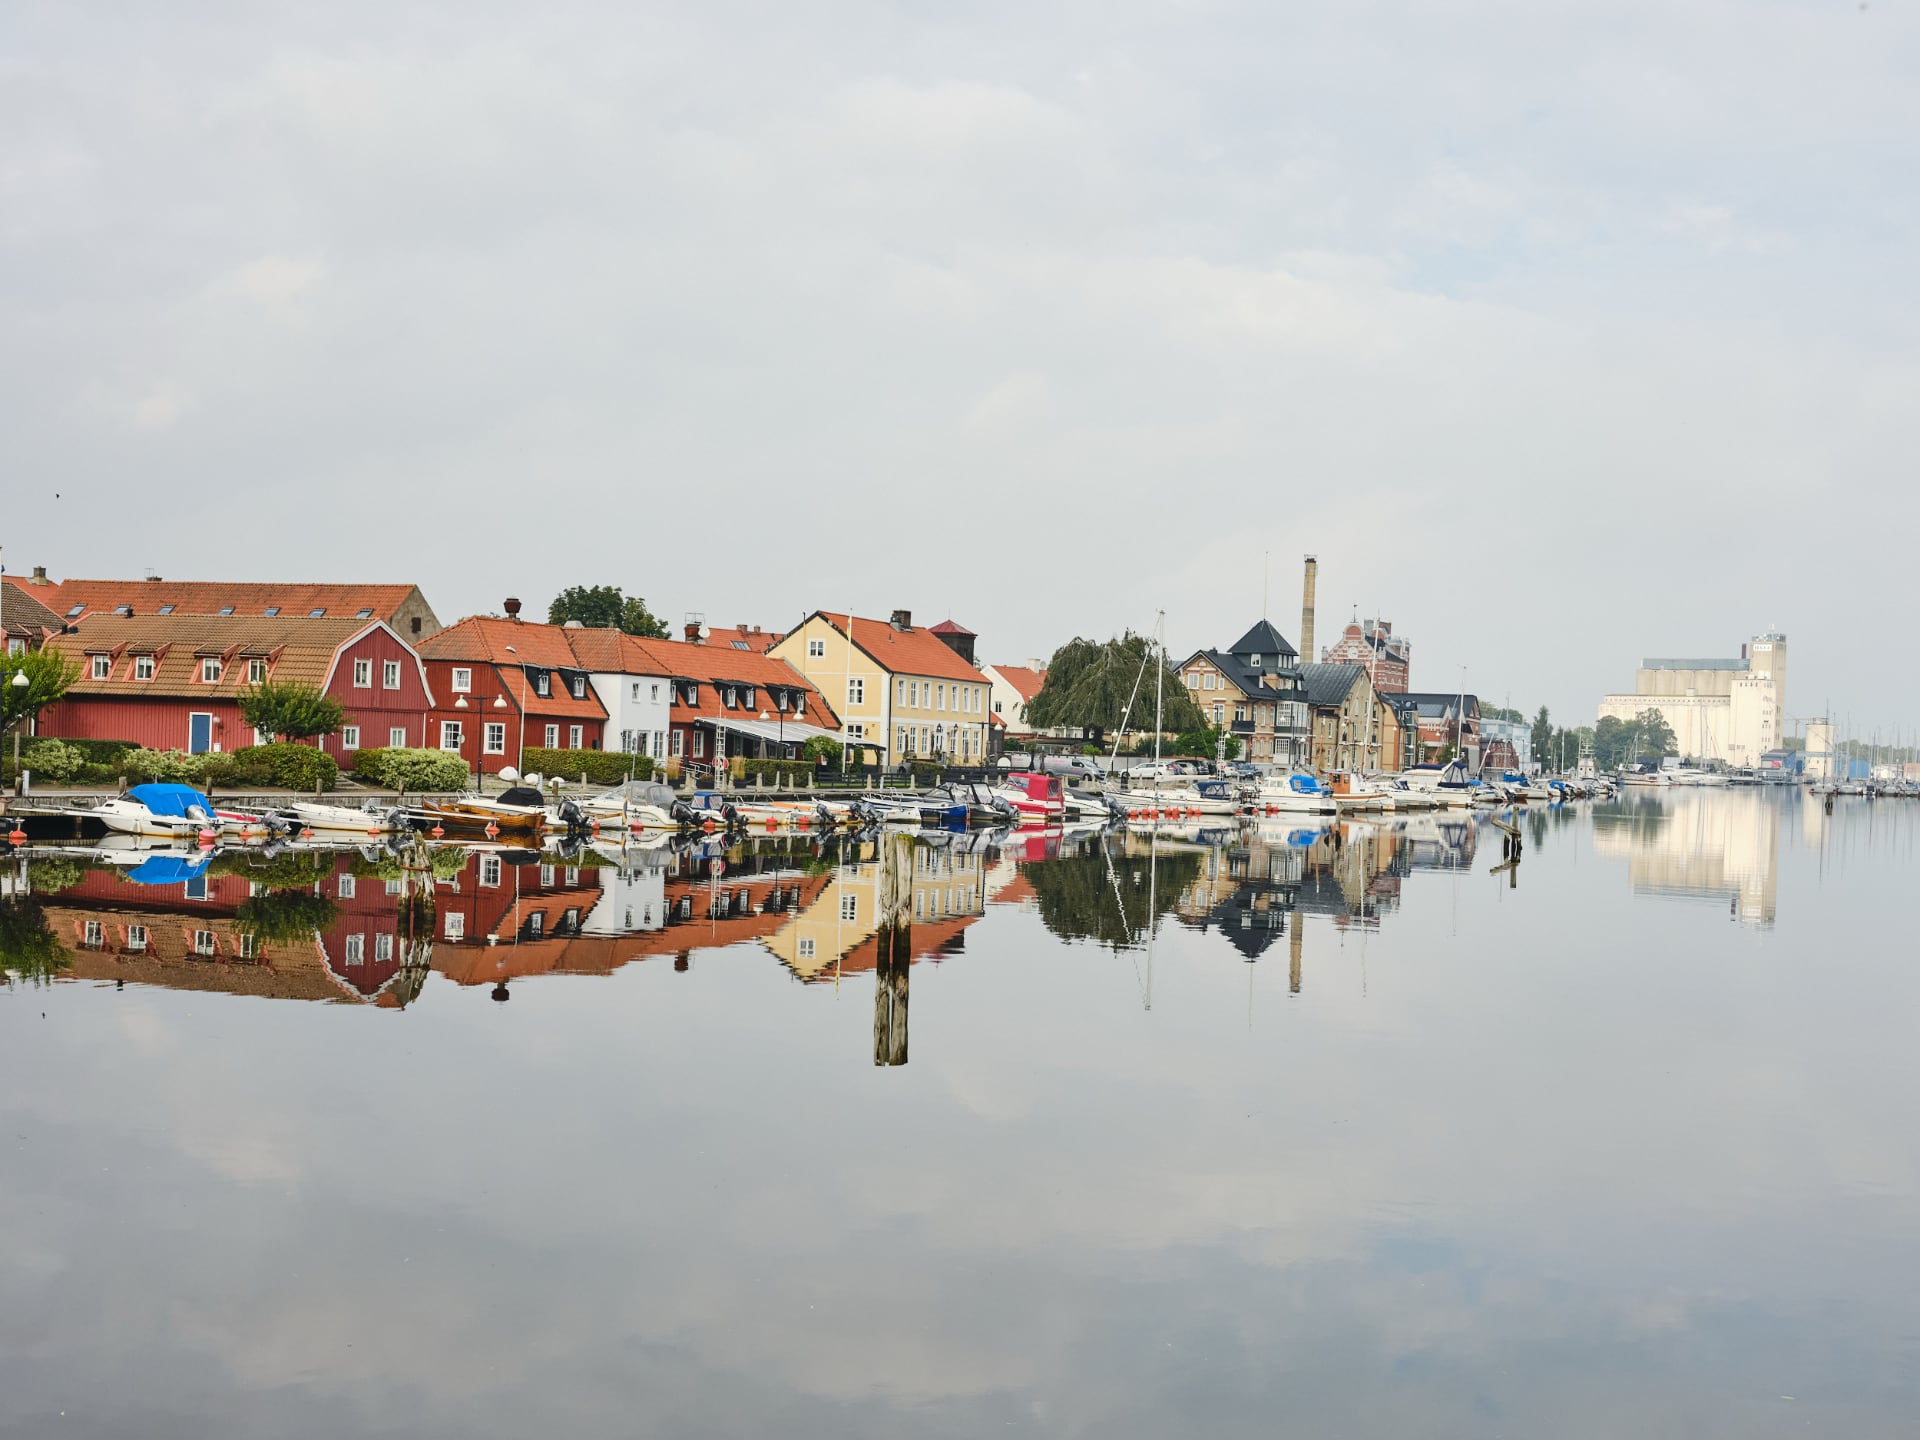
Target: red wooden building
{"points": [[508, 685], [173, 682]]}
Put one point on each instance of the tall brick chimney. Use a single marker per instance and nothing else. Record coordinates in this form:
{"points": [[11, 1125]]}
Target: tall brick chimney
{"points": [[1306, 612], [512, 607]]}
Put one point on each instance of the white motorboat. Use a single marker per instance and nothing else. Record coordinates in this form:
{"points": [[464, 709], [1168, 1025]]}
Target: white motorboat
{"points": [[372, 818], [636, 804], [1206, 797], [172, 812], [1352, 792], [1448, 784], [1297, 793]]}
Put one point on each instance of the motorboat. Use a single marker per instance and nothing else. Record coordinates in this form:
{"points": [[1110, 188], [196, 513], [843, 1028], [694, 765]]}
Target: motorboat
{"points": [[1297, 793], [1449, 784], [518, 808], [986, 804], [1402, 796], [638, 805], [1643, 779], [1034, 799], [372, 818], [1351, 792], [906, 808], [172, 812], [1203, 796]]}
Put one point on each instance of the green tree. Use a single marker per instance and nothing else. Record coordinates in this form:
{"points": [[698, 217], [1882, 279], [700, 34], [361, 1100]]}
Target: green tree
{"points": [[604, 607], [1499, 712], [1204, 743], [285, 916], [1542, 739], [293, 710], [819, 745], [1656, 736], [1088, 684], [49, 674], [28, 946], [1112, 899]]}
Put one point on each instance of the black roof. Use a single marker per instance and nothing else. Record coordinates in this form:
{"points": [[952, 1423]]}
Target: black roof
{"points": [[1244, 677], [1440, 702], [1329, 685], [1262, 639]]}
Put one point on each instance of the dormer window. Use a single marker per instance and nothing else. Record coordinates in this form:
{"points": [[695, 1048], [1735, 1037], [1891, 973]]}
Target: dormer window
{"points": [[579, 687], [749, 697], [210, 670], [1254, 661], [542, 684], [143, 667], [102, 666], [256, 671]]}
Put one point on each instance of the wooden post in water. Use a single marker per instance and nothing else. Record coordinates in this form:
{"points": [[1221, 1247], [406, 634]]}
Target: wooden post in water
{"points": [[1299, 923], [895, 942]]}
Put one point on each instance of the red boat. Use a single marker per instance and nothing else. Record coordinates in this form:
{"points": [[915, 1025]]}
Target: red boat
{"points": [[1038, 799]]}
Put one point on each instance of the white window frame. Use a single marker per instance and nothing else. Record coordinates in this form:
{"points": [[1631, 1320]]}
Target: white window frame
{"points": [[347, 887], [493, 737], [857, 731], [940, 696], [383, 949], [451, 736], [553, 737], [102, 667], [203, 943], [490, 868], [353, 949], [462, 681], [456, 925], [397, 737], [679, 743], [543, 683], [816, 649], [363, 674], [856, 690], [349, 737], [390, 675], [576, 737], [143, 667], [210, 670], [849, 907], [699, 744], [136, 937], [95, 934], [805, 950]]}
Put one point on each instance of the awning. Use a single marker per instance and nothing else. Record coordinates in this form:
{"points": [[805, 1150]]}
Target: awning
{"points": [[795, 732]]}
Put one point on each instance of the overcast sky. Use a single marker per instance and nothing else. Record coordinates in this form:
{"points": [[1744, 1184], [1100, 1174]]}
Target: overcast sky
{"points": [[1562, 333]]}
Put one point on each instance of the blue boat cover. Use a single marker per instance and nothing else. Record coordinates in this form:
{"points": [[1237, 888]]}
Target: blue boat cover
{"points": [[170, 869], [170, 799]]}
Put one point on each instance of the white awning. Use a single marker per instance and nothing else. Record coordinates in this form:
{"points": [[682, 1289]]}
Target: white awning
{"points": [[795, 732]]}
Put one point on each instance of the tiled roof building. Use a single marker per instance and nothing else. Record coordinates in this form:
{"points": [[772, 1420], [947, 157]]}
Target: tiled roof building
{"points": [[401, 606]]}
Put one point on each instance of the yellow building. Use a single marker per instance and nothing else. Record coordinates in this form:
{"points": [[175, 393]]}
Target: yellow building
{"points": [[834, 935], [900, 690]]}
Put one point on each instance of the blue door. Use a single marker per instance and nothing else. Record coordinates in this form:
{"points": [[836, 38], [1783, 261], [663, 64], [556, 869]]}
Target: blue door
{"points": [[199, 734]]}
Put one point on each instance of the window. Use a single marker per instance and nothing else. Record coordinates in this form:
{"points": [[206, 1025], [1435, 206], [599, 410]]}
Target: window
{"points": [[203, 942], [392, 887], [390, 675], [490, 870], [543, 683], [210, 670], [546, 877], [456, 927], [75, 611], [730, 698], [573, 737], [136, 937], [226, 609], [16, 646], [806, 946], [816, 649], [493, 737], [1192, 679], [655, 697], [383, 949], [903, 740], [660, 742], [1219, 715], [249, 946], [1254, 661], [913, 693], [346, 887], [553, 737], [741, 645], [799, 704], [699, 743], [316, 612], [856, 690], [356, 953], [349, 737], [940, 698], [1207, 682], [271, 611], [363, 674], [856, 732], [579, 687], [102, 666], [749, 697], [636, 690], [996, 707], [365, 612], [93, 932], [849, 907], [397, 737], [462, 679], [450, 737], [679, 743], [899, 692]]}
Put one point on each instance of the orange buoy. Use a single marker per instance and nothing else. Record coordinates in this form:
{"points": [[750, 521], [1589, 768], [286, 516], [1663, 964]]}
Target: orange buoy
{"points": [[17, 835], [772, 824], [436, 832]]}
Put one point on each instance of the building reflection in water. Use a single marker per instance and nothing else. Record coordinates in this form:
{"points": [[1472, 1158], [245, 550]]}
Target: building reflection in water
{"points": [[1710, 845]]}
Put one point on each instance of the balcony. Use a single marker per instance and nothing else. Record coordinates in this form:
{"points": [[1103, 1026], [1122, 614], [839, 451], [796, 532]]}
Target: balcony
{"points": [[1242, 727]]}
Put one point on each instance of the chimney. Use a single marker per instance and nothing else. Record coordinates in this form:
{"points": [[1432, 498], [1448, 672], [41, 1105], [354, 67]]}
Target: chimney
{"points": [[153, 579], [512, 607], [692, 631], [1306, 611], [39, 574], [902, 620]]}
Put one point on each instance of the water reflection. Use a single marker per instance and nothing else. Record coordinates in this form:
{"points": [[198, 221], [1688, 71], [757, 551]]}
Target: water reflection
{"points": [[1721, 846]]}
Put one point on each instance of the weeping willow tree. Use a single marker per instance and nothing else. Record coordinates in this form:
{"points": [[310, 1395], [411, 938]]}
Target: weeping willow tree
{"points": [[29, 950], [1088, 686]]}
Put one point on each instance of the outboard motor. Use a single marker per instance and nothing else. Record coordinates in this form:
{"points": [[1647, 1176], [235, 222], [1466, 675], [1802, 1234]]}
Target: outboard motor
{"points": [[683, 812], [573, 817]]}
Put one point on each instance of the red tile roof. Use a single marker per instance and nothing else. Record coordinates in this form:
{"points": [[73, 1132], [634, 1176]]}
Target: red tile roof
{"points": [[902, 652], [209, 597], [715, 666], [1023, 678], [24, 615], [485, 640], [294, 649], [949, 627], [743, 637]]}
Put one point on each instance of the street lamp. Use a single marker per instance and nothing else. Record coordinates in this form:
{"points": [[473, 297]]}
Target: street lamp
{"points": [[523, 709]]}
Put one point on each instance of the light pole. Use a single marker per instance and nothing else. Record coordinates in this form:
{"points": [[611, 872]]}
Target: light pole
{"points": [[460, 703], [522, 764]]}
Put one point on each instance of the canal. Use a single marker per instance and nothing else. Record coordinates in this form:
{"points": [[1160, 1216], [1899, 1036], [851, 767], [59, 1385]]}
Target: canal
{"points": [[1291, 1129]]}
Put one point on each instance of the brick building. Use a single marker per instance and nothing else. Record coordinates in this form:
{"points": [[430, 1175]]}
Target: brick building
{"points": [[1371, 644]]}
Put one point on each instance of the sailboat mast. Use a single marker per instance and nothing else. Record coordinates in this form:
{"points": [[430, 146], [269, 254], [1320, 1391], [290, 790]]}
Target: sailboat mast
{"points": [[1160, 686]]}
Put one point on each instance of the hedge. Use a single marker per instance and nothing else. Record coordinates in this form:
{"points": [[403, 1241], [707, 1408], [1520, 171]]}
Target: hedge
{"points": [[601, 767], [295, 767], [420, 771], [763, 772]]}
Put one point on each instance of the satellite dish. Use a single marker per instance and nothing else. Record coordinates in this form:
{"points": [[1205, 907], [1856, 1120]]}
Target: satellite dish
{"points": [[704, 630]]}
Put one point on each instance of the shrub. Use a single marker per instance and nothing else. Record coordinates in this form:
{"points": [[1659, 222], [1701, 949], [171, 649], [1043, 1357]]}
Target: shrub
{"points": [[297, 767], [175, 767], [53, 759], [763, 772], [601, 767], [429, 771]]}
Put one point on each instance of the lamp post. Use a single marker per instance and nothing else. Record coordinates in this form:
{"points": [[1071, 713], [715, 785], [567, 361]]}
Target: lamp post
{"points": [[522, 763], [460, 703], [20, 682]]}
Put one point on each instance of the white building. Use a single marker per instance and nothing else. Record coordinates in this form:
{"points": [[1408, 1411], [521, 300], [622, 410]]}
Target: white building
{"points": [[1013, 686], [632, 682], [1732, 711]]}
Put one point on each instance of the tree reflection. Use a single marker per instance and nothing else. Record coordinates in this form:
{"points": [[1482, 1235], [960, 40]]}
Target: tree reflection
{"points": [[1098, 895], [29, 950]]}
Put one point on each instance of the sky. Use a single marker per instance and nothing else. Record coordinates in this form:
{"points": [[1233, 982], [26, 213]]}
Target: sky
{"points": [[1562, 335]]}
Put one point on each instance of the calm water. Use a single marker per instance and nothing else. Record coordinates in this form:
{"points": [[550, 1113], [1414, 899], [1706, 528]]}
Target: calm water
{"points": [[1357, 1139]]}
